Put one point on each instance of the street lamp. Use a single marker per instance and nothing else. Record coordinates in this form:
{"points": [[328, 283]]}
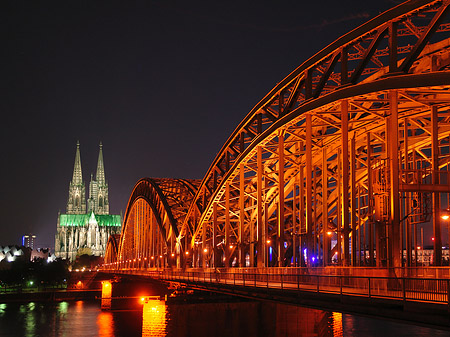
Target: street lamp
{"points": [[445, 215]]}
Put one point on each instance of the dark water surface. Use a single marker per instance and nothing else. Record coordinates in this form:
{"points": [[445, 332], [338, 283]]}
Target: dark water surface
{"points": [[155, 318]]}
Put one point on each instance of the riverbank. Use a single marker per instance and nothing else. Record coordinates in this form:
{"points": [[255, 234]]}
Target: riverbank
{"points": [[51, 295]]}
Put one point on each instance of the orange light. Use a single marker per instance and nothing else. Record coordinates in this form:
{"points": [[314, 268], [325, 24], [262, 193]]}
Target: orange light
{"points": [[160, 256], [329, 233], [205, 250], [268, 241], [231, 246], [153, 257], [419, 248], [173, 254], [142, 299], [432, 239], [187, 253], [445, 217], [145, 258]]}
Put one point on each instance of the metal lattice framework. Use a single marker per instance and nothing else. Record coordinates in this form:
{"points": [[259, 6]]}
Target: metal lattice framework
{"points": [[155, 213], [352, 148]]}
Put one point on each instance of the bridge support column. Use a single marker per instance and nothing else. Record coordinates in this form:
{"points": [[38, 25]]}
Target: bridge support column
{"points": [[394, 244], [369, 223], [325, 229], [106, 295], [280, 199], [408, 196], [214, 237], [241, 215], [309, 222], [261, 258], [345, 181], [227, 250], [353, 199], [436, 195]]}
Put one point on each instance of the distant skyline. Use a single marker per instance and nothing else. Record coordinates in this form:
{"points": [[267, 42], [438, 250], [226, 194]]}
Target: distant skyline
{"points": [[162, 84]]}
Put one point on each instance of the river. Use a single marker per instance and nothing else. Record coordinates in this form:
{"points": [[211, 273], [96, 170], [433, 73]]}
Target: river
{"points": [[224, 318]]}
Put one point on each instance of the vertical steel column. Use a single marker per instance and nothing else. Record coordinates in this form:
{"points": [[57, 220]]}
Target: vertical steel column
{"points": [[339, 236], [196, 253], [227, 224], [301, 216], [407, 224], [326, 240], [436, 194], [309, 224], [345, 181], [353, 200], [152, 236], [242, 215], [214, 236], [294, 215], [393, 47], [280, 198], [316, 226], [261, 231], [361, 232], [204, 252], [370, 200], [394, 237]]}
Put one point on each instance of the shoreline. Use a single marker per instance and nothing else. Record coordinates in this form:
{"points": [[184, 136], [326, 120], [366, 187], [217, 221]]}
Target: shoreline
{"points": [[51, 296]]}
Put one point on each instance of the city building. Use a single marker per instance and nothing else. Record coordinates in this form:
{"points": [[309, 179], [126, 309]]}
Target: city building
{"points": [[29, 240], [87, 224]]}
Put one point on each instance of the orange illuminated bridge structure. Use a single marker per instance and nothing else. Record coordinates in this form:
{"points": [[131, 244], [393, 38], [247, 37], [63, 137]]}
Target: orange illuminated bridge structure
{"points": [[325, 184]]}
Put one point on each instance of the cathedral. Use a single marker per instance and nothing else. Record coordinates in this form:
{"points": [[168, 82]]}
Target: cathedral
{"points": [[86, 226]]}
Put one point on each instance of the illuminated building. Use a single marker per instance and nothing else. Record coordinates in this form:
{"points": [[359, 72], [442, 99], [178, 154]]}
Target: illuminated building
{"points": [[28, 240], [86, 225]]}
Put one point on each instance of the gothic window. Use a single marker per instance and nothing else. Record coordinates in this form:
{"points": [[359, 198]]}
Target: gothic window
{"points": [[100, 202]]}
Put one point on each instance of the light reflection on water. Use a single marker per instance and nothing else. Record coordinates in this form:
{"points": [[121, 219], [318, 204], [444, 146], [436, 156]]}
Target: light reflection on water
{"points": [[202, 318], [154, 319]]}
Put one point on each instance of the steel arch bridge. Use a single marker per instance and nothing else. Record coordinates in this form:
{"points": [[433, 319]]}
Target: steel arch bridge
{"points": [[336, 165]]}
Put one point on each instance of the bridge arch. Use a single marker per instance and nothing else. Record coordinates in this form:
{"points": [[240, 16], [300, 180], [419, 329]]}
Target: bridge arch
{"points": [[351, 147], [112, 249], [152, 221]]}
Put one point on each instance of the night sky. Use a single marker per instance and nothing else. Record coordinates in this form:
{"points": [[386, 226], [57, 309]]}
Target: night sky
{"points": [[162, 84]]}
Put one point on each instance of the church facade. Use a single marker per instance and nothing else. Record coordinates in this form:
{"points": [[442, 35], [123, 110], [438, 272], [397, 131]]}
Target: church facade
{"points": [[87, 224]]}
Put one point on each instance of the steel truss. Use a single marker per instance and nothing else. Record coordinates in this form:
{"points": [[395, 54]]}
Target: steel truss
{"points": [[352, 148]]}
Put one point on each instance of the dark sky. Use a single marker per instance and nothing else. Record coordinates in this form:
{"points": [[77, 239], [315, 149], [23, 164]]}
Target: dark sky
{"points": [[161, 83]]}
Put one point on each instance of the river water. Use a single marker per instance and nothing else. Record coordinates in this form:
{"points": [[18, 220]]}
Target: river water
{"points": [[223, 318]]}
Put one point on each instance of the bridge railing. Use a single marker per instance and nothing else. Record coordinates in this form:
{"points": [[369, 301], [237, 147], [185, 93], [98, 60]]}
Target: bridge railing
{"points": [[403, 288]]}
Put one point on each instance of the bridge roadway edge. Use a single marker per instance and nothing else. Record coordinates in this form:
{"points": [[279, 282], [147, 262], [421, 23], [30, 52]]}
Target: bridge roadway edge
{"points": [[432, 315]]}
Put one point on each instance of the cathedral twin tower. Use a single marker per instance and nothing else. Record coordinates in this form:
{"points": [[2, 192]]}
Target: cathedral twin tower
{"points": [[85, 230], [98, 189]]}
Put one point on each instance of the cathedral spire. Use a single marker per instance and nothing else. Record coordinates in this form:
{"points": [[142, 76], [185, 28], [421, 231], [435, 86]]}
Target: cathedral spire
{"points": [[100, 175], [76, 204], [77, 178]]}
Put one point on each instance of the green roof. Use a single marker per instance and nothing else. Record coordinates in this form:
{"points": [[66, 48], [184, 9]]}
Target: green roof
{"points": [[83, 219]]}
